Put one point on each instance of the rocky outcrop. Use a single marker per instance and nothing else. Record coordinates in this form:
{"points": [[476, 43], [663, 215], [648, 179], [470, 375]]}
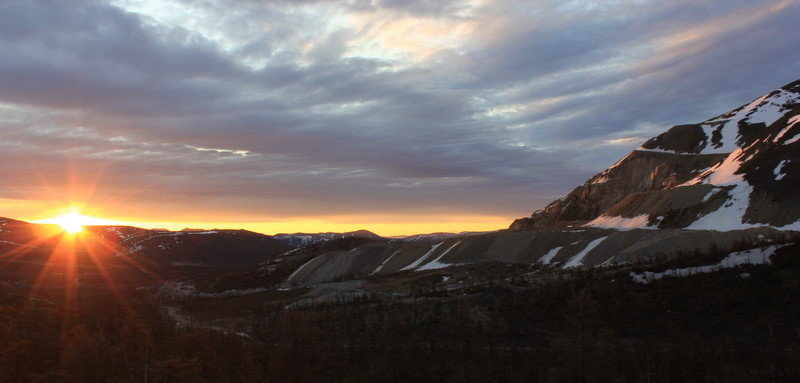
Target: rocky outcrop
{"points": [[640, 171]]}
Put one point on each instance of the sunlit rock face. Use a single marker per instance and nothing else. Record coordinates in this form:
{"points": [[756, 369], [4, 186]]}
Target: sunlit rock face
{"points": [[735, 171]]}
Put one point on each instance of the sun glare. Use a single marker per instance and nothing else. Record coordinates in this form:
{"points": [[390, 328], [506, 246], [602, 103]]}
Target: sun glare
{"points": [[73, 222]]}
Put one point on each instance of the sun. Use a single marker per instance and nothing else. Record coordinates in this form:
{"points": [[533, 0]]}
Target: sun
{"points": [[73, 221]]}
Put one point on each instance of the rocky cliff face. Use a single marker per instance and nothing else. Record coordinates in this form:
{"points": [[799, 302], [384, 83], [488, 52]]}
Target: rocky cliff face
{"points": [[735, 171]]}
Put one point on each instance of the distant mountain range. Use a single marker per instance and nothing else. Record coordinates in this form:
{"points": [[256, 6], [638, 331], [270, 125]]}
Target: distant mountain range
{"points": [[305, 239]]}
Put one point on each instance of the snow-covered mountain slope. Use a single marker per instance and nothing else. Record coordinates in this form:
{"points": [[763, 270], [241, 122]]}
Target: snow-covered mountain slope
{"points": [[304, 239], [735, 171]]}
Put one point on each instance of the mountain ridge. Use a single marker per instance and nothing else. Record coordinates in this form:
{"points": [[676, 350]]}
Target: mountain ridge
{"points": [[733, 171], [298, 240]]}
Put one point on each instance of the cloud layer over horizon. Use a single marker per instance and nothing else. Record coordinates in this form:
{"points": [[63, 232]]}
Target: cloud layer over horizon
{"points": [[368, 108]]}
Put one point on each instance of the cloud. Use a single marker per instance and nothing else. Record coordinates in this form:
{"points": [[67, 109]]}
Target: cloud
{"points": [[365, 107]]}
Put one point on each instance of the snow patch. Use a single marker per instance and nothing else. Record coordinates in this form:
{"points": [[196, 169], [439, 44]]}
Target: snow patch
{"points": [[792, 122], [729, 216], [422, 258], [757, 256], [300, 268], [621, 223], [380, 267], [435, 264], [779, 173], [771, 109], [724, 173], [577, 260], [550, 255], [710, 194], [766, 109]]}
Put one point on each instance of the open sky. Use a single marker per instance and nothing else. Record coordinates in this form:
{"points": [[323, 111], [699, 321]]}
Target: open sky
{"points": [[398, 116]]}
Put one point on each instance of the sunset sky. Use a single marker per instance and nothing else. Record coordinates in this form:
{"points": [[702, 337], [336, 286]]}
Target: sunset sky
{"points": [[397, 116]]}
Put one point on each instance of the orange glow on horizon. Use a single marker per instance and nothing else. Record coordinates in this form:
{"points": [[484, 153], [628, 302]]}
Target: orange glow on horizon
{"points": [[76, 201], [73, 221], [383, 227]]}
